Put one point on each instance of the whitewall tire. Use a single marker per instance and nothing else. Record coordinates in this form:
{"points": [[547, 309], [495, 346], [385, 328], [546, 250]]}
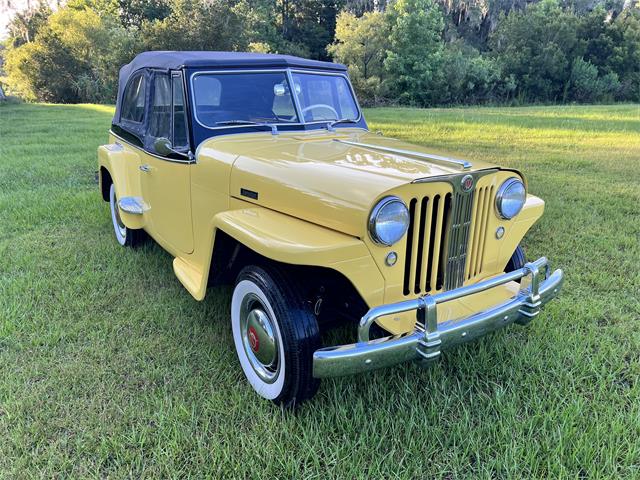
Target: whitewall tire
{"points": [[274, 336], [125, 236]]}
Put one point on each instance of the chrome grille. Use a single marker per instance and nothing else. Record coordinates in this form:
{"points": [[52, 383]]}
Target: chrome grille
{"points": [[446, 236], [458, 239]]}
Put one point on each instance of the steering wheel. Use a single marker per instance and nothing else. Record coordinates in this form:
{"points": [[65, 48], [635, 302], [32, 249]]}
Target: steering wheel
{"points": [[321, 105]]}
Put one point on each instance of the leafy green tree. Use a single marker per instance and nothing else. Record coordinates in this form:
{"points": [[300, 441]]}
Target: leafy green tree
{"points": [[195, 25], [537, 46], [71, 59], [135, 12], [361, 44], [415, 49], [310, 23], [24, 26], [468, 77], [588, 86]]}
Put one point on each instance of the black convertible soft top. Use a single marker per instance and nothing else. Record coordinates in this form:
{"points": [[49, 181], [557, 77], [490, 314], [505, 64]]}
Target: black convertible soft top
{"points": [[174, 60]]}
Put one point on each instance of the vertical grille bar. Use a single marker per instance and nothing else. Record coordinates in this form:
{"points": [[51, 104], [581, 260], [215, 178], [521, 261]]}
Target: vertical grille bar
{"points": [[472, 233], [415, 245], [473, 268], [435, 257], [483, 228], [425, 247]]}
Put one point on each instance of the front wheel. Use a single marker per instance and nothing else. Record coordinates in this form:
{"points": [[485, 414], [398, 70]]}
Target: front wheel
{"points": [[517, 260], [126, 237], [275, 336]]}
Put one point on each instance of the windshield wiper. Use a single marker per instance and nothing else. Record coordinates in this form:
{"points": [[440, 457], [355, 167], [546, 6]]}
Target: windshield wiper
{"points": [[249, 123], [338, 121]]}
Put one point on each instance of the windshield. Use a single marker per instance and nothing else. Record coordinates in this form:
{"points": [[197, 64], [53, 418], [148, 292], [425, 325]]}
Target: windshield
{"points": [[227, 98], [324, 97], [234, 99]]}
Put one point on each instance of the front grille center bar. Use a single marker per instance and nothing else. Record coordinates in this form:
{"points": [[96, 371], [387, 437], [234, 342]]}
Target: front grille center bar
{"points": [[458, 239]]}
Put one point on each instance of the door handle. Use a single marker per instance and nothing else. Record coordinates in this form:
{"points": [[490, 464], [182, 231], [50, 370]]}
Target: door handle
{"points": [[145, 168]]}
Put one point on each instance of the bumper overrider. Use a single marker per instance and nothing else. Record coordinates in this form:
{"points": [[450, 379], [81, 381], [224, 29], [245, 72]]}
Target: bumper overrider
{"points": [[429, 337]]}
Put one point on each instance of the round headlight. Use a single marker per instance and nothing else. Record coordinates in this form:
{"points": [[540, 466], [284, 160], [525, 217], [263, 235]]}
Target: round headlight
{"points": [[389, 221], [510, 198]]}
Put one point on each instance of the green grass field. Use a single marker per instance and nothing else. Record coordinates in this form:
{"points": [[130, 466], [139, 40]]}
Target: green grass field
{"points": [[108, 368]]}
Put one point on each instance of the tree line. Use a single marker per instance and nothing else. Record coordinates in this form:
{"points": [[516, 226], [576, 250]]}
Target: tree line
{"points": [[411, 52]]}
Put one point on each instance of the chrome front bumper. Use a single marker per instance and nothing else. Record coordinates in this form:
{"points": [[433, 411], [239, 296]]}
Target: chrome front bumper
{"points": [[430, 337]]}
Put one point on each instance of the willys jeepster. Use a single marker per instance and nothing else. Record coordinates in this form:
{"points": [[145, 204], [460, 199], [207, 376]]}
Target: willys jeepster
{"points": [[259, 171]]}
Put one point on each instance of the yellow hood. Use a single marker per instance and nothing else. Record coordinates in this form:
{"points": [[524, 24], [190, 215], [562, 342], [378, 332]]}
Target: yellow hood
{"points": [[321, 176]]}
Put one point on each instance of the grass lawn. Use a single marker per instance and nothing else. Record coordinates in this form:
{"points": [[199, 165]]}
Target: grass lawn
{"points": [[108, 367]]}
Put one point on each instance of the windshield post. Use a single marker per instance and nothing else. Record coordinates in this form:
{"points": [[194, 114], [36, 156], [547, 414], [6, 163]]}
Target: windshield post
{"points": [[296, 100]]}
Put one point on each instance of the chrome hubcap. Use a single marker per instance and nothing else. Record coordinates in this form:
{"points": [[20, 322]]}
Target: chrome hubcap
{"points": [[259, 339]]}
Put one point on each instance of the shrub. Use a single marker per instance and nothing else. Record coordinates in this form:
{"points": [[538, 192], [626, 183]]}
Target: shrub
{"points": [[588, 86]]}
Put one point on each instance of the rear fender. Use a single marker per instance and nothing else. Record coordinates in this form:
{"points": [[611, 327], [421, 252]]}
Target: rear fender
{"points": [[122, 165]]}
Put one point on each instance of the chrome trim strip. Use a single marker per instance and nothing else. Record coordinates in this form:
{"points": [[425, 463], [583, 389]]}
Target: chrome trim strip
{"points": [[146, 152], [429, 338], [463, 164]]}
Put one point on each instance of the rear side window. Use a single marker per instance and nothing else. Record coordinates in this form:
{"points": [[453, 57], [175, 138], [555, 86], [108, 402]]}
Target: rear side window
{"points": [[160, 115], [133, 100], [179, 114]]}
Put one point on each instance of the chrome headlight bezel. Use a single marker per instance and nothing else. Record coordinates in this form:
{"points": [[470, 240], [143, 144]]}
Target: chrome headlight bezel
{"points": [[377, 210], [503, 190]]}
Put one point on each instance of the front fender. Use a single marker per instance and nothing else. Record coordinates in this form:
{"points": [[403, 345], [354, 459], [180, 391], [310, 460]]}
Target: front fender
{"points": [[293, 241]]}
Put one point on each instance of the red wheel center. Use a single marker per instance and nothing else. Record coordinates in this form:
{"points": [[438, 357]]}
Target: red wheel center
{"points": [[253, 339]]}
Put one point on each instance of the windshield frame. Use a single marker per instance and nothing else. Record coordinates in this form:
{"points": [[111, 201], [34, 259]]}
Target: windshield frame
{"points": [[296, 103]]}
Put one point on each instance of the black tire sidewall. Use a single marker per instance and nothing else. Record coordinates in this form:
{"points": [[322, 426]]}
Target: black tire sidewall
{"points": [[298, 329]]}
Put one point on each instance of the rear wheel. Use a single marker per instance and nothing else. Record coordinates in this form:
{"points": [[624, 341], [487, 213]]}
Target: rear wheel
{"points": [[275, 335], [126, 237]]}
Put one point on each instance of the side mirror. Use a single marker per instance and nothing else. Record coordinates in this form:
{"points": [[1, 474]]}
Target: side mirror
{"points": [[162, 146], [279, 90]]}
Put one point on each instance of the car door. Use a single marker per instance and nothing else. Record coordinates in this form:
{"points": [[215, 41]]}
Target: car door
{"points": [[165, 179]]}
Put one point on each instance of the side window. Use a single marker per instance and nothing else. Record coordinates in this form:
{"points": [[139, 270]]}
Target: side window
{"points": [[160, 114], [133, 100], [179, 114]]}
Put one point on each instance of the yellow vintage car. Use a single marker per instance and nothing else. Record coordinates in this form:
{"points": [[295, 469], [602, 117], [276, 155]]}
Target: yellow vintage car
{"points": [[259, 171]]}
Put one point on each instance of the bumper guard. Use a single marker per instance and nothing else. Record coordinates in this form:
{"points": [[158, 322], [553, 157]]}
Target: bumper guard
{"points": [[429, 337]]}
